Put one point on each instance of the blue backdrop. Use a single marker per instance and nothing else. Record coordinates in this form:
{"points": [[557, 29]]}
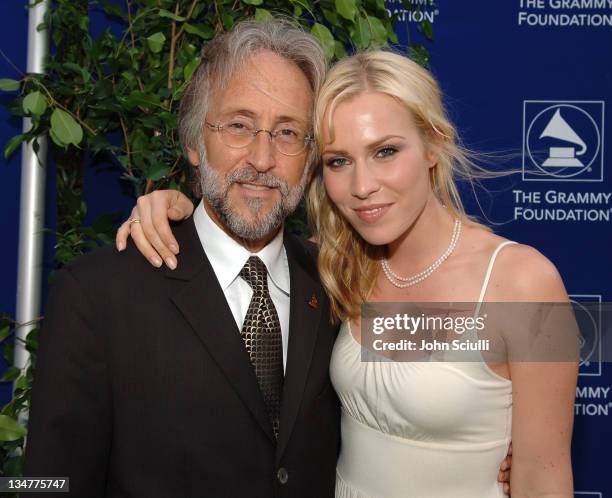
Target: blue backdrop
{"points": [[527, 79]]}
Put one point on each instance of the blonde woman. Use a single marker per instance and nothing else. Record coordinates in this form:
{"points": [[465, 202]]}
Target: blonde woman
{"points": [[391, 227]]}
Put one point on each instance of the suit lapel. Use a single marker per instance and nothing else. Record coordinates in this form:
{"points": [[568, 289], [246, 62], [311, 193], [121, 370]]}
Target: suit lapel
{"points": [[304, 318], [202, 302]]}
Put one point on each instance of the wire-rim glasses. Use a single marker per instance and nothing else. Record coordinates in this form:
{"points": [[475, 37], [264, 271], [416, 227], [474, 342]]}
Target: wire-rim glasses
{"points": [[288, 140]]}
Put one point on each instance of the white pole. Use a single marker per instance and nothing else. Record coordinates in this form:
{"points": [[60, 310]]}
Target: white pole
{"points": [[32, 204]]}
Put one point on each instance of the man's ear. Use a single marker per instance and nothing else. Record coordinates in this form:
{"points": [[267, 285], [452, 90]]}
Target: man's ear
{"points": [[194, 157]]}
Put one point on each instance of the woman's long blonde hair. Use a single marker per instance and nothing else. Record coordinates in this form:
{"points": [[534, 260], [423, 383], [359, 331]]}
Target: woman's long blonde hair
{"points": [[348, 265]]}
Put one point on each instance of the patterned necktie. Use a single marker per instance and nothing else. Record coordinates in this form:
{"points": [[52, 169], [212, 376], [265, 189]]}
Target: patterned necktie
{"points": [[261, 333]]}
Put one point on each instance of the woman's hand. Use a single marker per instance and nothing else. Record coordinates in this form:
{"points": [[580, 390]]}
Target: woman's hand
{"points": [[149, 227], [504, 471]]}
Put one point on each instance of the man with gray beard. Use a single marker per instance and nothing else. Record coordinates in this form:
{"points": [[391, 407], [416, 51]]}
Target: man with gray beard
{"points": [[210, 379]]}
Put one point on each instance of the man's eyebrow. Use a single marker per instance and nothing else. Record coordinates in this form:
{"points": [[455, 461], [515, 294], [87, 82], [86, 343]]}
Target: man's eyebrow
{"points": [[244, 112], [284, 118], [250, 114]]}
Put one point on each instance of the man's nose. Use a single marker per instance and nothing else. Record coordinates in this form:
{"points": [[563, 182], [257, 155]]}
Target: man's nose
{"points": [[262, 152]]}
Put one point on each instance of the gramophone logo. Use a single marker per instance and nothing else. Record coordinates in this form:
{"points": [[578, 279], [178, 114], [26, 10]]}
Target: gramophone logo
{"points": [[563, 141], [587, 310]]}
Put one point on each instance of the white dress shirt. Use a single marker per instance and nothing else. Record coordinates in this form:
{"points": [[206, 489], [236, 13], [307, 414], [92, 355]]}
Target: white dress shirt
{"points": [[227, 258]]}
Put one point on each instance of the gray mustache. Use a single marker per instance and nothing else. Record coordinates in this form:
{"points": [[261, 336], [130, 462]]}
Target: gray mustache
{"points": [[250, 175]]}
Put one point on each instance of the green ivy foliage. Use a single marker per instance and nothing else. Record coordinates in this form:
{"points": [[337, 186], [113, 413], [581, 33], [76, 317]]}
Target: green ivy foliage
{"points": [[113, 98], [12, 426]]}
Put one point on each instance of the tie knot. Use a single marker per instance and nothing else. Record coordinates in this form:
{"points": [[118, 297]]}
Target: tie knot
{"points": [[255, 274]]}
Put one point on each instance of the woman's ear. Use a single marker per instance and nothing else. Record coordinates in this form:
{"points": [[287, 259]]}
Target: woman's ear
{"points": [[432, 150]]}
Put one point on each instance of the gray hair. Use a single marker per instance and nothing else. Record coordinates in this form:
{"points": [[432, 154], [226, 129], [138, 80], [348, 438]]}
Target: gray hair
{"points": [[228, 52]]}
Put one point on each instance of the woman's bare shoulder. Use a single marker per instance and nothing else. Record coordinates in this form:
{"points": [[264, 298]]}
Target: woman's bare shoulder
{"points": [[522, 273]]}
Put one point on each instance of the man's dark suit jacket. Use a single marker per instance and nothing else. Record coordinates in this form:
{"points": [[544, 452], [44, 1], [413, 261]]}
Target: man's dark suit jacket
{"points": [[144, 388]]}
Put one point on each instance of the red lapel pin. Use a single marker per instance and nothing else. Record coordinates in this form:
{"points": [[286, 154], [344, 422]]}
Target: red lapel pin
{"points": [[313, 303]]}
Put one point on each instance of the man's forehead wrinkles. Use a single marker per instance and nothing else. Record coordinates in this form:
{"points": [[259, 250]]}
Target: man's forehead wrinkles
{"points": [[258, 80], [272, 93]]}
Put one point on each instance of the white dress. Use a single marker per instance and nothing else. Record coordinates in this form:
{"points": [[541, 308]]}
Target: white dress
{"points": [[419, 429]]}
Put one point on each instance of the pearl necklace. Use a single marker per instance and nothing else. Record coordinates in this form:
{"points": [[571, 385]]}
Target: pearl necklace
{"points": [[403, 282]]}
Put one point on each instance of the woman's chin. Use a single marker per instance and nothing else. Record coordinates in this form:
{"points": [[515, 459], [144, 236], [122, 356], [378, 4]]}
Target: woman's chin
{"points": [[376, 236]]}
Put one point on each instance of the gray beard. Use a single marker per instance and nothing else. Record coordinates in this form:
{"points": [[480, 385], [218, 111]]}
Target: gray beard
{"points": [[215, 191]]}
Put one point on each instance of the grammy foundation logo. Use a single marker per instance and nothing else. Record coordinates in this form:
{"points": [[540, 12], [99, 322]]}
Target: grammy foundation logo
{"points": [[558, 128], [562, 141]]}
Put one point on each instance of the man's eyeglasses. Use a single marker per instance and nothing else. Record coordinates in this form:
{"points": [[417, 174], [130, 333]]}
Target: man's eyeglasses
{"points": [[288, 140]]}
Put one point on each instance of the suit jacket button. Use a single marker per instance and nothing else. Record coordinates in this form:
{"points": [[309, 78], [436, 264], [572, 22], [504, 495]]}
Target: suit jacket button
{"points": [[282, 475]]}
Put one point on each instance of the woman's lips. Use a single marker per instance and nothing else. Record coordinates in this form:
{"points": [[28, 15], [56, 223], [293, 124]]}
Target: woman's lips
{"points": [[372, 212]]}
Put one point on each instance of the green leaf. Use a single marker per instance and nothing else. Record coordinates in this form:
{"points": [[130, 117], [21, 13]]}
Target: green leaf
{"points": [[98, 143], [128, 75], [12, 144], [9, 352], [157, 171], [10, 374], [34, 103], [123, 160], [84, 23], [32, 342], [263, 15], [228, 21], [361, 34], [13, 466], [346, 8], [418, 53], [65, 128], [137, 98], [170, 15], [75, 68], [379, 32], [10, 429], [427, 29], [103, 89], [114, 10], [339, 50], [252, 2], [392, 35], [22, 383], [57, 141], [4, 332], [202, 30], [156, 42], [331, 16], [9, 85], [326, 39], [190, 68]]}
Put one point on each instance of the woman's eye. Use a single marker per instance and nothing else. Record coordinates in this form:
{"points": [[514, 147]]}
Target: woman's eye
{"points": [[336, 162], [386, 152]]}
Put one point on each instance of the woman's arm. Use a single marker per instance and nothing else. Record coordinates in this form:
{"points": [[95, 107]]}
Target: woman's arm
{"points": [[542, 391], [151, 230]]}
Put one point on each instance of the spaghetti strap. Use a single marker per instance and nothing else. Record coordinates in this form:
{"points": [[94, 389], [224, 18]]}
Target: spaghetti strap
{"points": [[485, 284]]}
